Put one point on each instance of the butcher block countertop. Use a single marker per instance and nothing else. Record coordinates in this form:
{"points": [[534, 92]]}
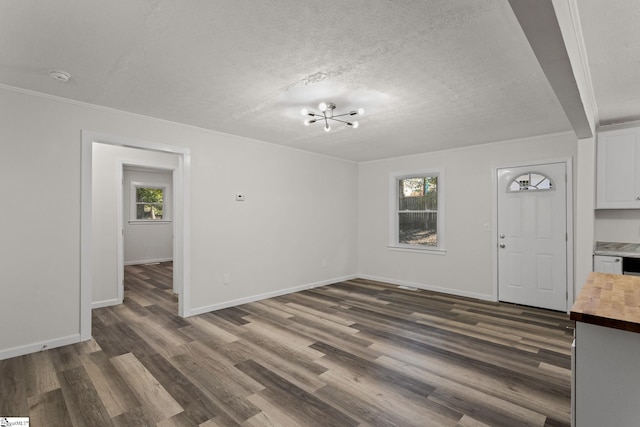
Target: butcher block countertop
{"points": [[610, 300]]}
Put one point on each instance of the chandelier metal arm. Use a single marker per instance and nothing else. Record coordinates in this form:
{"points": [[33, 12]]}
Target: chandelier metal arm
{"points": [[338, 120], [351, 113], [325, 118]]}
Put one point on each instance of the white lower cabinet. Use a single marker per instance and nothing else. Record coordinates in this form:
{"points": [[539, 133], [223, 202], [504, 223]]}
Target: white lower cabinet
{"points": [[607, 264], [607, 378]]}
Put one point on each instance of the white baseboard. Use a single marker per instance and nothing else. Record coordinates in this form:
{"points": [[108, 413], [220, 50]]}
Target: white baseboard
{"points": [[252, 298], [38, 346], [427, 287], [105, 303], [147, 261]]}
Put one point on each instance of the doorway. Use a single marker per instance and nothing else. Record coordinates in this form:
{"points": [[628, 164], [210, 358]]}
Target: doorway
{"points": [[534, 265], [181, 241], [145, 216]]}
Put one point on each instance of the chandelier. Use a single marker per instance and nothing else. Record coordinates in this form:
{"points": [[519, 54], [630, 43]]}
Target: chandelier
{"points": [[327, 113]]}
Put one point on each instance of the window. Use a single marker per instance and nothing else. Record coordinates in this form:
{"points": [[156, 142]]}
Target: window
{"points": [[531, 182], [148, 202], [417, 211]]}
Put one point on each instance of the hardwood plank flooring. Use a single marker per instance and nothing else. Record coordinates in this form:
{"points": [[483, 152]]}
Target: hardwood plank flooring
{"points": [[354, 353]]}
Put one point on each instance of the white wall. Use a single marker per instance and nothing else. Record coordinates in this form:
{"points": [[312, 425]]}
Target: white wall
{"points": [[148, 241], [466, 269], [301, 209], [107, 166], [618, 225], [585, 184]]}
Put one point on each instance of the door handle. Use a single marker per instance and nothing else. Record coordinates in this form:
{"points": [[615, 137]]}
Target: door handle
{"points": [[502, 245]]}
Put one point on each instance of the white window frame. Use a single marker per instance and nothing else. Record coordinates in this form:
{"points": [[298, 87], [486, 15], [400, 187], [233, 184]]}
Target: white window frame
{"points": [[133, 203], [394, 233]]}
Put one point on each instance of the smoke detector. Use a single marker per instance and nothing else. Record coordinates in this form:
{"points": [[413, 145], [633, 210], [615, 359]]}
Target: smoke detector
{"points": [[60, 76]]}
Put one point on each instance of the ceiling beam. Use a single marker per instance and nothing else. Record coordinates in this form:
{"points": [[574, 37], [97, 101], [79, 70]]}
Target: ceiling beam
{"points": [[540, 25]]}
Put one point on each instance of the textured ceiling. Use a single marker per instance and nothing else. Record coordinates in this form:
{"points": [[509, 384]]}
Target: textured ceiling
{"points": [[611, 31], [430, 75]]}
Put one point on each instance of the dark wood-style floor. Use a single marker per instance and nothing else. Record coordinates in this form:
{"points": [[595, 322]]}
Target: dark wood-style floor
{"points": [[353, 353]]}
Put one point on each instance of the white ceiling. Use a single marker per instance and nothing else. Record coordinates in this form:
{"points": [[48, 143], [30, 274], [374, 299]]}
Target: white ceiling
{"points": [[430, 75], [611, 31]]}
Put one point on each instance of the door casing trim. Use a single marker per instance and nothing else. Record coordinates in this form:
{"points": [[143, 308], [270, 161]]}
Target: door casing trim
{"points": [[182, 238]]}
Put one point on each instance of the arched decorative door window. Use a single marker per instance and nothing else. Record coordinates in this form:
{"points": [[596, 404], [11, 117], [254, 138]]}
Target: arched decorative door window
{"points": [[531, 181]]}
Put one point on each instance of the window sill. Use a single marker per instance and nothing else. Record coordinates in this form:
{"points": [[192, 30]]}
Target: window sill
{"points": [[430, 251], [152, 221]]}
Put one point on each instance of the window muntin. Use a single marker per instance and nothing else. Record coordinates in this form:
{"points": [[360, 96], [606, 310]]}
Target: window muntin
{"points": [[416, 215], [531, 181]]}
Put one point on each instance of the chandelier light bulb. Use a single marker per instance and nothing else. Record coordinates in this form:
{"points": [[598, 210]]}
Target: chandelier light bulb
{"points": [[304, 112], [306, 122], [361, 111], [327, 128], [355, 125], [322, 106]]}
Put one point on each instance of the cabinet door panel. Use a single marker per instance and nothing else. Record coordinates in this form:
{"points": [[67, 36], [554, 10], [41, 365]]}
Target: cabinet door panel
{"points": [[617, 180]]}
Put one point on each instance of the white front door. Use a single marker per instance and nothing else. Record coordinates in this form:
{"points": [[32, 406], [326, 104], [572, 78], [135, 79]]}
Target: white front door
{"points": [[532, 235]]}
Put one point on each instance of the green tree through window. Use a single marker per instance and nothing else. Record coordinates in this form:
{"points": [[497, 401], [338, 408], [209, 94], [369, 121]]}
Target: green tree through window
{"points": [[149, 203]]}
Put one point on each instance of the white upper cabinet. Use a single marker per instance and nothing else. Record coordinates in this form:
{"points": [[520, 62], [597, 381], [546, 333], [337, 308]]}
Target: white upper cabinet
{"points": [[618, 164]]}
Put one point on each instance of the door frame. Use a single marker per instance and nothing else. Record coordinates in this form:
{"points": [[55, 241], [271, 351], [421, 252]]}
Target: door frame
{"points": [[181, 218], [568, 161]]}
